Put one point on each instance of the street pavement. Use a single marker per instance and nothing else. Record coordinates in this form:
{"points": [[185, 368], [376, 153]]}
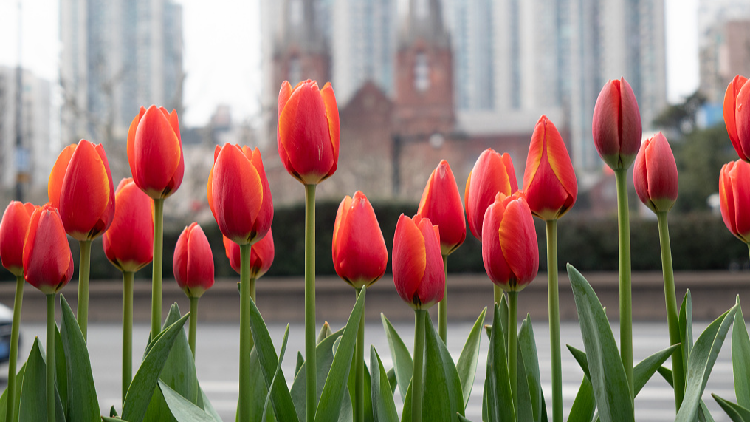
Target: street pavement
{"points": [[218, 348]]}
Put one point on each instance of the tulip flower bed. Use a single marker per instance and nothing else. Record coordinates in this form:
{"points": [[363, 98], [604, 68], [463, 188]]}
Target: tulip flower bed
{"points": [[337, 379]]}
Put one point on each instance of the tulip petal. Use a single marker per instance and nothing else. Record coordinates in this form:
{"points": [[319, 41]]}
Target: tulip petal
{"points": [[265, 215], [662, 170], [47, 259], [432, 287], [494, 173], [361, 255], [740, 177], [742, 115], [640, 173], [284, 94], [57, 175], [131, 140], [441, 203], [606, 125], [510, 171], [730, 109], [630, 126], [128, 243], [517, 238], [559, 160], [343, 209], [334, 127], [157, 152], [200, 276], [409, 259], [495, 264], [13, 229], [726, 197], [237, 194]]}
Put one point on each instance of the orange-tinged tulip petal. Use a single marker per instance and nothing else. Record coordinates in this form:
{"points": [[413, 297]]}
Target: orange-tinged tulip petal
{"points": [[549, 182], [265, 215], [57, 175], [492, 173], [432, 287], [742, 115], [441, 203], [193, 261], [418, 271], [13, 229], [262, 254], [616, 125], [334, 125], [731, 117], [128, 244], [655, 174], [734, 194], [358, 247], [155, 153], [47, 261]]}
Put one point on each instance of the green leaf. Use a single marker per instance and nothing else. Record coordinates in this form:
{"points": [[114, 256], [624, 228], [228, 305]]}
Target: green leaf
{"points": [[268, 415], [383, 407], [4, 397], [182, 409], [607, 374], [736, 412], [324, 359], [300, 361], [701, 362], [403, 365], [208, 407], [524, 411], [145, 381], [443, 397], [392, 379], [580, 357], [497, 390], [686, 327], [283, 406], [741, 359], [467, 361], [504, 315], [258, 389], [61, 371], [406, 411], [584, 405], [329, 405], [33, 405], [325, 331], [646, 368], [461, 418], [666, 373], [704, 415], [351, 393], [527, 353], [82, 402]]}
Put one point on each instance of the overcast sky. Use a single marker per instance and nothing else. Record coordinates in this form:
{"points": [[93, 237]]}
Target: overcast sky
{"points": [[222, 50]]}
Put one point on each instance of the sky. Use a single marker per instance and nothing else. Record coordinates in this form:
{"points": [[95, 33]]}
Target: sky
{"points": [[222, 50]]}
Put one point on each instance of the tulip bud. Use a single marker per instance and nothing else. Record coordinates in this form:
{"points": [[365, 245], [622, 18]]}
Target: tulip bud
{"points": [[128, 244], [509, 246], [239, 195], [47, 260], [617, 124], [441, 203], [549, 182], [80, 187], [655, 174], [358, 247], [13, 229], [155, 152], [418, 271], [193, 261], [261, 255], [308, 135], [734, 194], [737, 114], [492, 173]]}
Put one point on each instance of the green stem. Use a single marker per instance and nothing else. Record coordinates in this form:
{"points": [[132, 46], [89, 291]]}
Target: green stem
{"points": [[512, 344], [310, 360], [193, 324], [127, 331], [83, 286], [246, 335], [14, 349], [443, 307], [498, 291], [359, 386], [553, 310], [51, 357], [417, 382], [156, 277], [626, 301], [678, 366]]}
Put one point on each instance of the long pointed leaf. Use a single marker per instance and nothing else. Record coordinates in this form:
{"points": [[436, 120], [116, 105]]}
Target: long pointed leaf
{"points": [[267, 415], [646, 368], [497, 389], [82, 402], [686, 327], [467, 361], [611, 390], [403, 364], [383, 407], [443, 398], [735, 411], [4, 397], [527, 352], [741, 359], [324, 359], [182, 409], [584, 405], [524, 411], [33, 405], [701, 362]]}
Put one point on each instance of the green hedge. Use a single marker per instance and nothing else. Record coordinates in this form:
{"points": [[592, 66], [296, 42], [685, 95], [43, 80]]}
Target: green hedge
{"points": [[699, 242]]}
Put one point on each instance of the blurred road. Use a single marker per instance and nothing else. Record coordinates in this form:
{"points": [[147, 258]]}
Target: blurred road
{"points": [[218, 346]]}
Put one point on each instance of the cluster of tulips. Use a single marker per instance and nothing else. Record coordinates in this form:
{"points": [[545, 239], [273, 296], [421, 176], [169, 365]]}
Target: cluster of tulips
{"points": [[84, 205]]}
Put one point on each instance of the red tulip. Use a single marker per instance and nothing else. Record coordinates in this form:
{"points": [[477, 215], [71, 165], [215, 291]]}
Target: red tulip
{"points": [[308, 134], [193, 261], [13, 229], [418, 271], [80, 187], [261, 255], [358, 247], [155, 152], [128, 244], [655, 174], [47, 261], [734, 194], [239, 195], [617, 124], [737, 114], [509, 247], [492, 173], [441, 203], [549, 182]]}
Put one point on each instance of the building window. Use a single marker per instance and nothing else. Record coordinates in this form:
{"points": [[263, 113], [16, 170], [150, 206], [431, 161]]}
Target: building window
{"points": [[421, 72]]}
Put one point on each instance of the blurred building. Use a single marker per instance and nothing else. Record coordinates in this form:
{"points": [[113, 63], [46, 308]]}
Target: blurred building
{"points": [[117, 55]]}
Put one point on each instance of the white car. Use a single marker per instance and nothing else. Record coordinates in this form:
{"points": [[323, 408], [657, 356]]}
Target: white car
{"points": [[6, 323]]}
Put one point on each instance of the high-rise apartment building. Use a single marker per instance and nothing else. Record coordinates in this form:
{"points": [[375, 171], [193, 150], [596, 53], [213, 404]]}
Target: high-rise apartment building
{"points": [[117, 55]]}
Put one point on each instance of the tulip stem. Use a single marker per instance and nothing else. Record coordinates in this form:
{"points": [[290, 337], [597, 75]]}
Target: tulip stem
{"points": [[512, 344], [51, 357], [310, 360], [359, 386], [498, 291], [417, 382], [553, 310], [678, 366], [246, 335], [14, 349], [156, 275], [127, 332], [83, 286], [193, 324], [626, 301], [443, 307]]}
